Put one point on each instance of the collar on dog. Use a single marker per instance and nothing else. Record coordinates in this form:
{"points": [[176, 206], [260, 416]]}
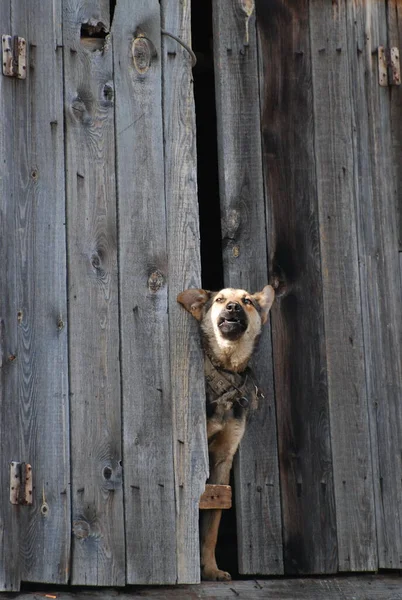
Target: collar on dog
{"points": [[241, 386]]}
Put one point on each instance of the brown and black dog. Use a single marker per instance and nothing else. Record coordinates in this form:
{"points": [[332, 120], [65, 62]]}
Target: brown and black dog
{"points": [[231, 321]]}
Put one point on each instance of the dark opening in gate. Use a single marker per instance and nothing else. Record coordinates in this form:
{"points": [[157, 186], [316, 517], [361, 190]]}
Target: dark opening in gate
{"points": [[209, 210], [207, 153]]}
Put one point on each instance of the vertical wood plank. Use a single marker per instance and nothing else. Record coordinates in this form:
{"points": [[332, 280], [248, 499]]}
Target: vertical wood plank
{"points": [[245, 266], [40, 309], [379, 264], [394, 20], [187, 373], [96, 446], [147, 402], [10, 566], [308, 507], [350, 435]]}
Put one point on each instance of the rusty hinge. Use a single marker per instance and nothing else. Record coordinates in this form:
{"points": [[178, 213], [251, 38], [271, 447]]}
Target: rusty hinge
{"points": [[14, 56], [20, 483], [389, 68]]}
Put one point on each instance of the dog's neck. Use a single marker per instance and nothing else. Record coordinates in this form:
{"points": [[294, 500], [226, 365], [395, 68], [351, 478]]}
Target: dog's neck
{"points": [[227, 354]]}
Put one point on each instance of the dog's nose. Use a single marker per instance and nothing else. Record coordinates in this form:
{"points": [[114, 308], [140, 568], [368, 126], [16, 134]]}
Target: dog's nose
{"points": [[233, 307]]}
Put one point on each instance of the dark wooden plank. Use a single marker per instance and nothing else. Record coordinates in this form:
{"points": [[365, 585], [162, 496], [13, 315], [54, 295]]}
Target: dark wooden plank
{"points": [[350, 435], [39, 298], [186, 360], [245, 266], [394, 20], [10, 566], [147, 402], [379, 269], [379, 587], [96, 446], [216, 496], [310, 544]]}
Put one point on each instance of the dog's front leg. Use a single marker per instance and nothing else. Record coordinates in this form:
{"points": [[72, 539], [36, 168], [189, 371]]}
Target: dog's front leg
{"points": [[221, 451], [210, 520]]}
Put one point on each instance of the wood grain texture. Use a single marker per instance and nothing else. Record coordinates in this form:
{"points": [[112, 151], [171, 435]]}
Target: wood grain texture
{"points": [[350, 435], [308, 506], [147, 400], [366, 587], [186, 359], [379, 264], [37, 297], [10, 566], [96, 445], [394, 21], [216, 496], [245, 266]]}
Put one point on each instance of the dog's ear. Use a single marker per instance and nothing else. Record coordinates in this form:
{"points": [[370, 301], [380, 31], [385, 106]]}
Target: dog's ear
{"points": [[265, 299], [194, 301]]}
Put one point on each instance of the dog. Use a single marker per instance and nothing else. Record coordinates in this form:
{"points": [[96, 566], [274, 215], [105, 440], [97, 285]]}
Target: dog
{"points": [[231, 323]]}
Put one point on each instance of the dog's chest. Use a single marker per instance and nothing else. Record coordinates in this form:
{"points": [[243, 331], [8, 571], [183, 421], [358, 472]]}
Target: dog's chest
{"points": [[228, 395]]}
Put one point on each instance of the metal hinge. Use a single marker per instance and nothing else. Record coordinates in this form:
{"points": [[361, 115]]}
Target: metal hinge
{"points": [[389, 68], [20, 483], [14, 56]]}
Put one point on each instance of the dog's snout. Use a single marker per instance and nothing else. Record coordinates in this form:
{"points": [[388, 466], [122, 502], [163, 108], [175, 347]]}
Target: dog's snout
{"points": [[233, 307]]}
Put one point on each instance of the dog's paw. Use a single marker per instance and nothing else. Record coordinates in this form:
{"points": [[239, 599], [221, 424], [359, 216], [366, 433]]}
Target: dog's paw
{"points": [[215, 575]]}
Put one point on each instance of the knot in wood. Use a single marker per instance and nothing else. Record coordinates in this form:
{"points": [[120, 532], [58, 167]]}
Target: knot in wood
{"points": [[142, 50], [80, 110], [156, 281], [81, 529], [107, 473], [95, 261]]}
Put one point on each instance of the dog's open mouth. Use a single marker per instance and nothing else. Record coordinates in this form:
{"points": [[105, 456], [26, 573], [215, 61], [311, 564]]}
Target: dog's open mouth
{"points": [[232, 327]]}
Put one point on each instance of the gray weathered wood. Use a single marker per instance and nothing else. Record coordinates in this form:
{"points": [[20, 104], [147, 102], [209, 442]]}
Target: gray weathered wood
{"points": [[186, 360], [147, 403], [35, 327], [350, 436], [96, 447], [379, 264], [10, 566], [308, 506], [394, 21], [366, 587], [245, 266]]}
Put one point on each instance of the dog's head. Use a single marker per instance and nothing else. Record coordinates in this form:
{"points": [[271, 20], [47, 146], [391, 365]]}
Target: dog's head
{"points": [[231, 320]]}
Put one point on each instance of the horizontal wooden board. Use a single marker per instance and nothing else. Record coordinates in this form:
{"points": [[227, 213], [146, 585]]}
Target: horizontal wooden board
{"points": [[216, 496], [367, 587]]}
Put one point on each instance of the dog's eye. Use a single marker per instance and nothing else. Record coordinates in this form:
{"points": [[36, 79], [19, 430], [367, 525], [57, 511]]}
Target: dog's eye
{"points": [[220, 299], [246, 301]]}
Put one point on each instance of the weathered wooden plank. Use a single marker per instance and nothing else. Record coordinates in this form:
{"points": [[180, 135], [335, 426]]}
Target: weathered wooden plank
{"points": [[186, 360], [378, 587], [310, 544], [10, 566], [147, 400], [394, 20], [96, 446], [245, 265], [350, 435], [379, 266], [216, 496], [35, 324]]}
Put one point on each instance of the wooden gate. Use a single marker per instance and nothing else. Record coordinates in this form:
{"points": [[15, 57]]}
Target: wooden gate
{"points": [[101, 383]]}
